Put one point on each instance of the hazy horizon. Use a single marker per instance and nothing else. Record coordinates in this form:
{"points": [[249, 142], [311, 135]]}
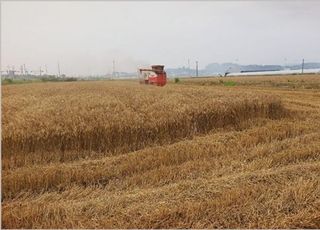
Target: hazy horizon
{"points": [[85, 37]]}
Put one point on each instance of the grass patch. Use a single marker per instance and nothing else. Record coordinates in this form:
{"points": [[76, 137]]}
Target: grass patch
{"points": [[229, 83], [8, 81]]}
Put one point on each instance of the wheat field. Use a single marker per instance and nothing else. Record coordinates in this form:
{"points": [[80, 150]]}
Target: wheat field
{"points": [[197, 154]]}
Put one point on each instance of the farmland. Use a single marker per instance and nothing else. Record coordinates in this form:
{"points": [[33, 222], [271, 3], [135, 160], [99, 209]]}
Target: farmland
{"points": [[238, 152]]}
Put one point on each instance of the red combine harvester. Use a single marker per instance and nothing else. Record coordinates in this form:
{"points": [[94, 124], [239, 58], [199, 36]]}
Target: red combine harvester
{"points": [[154, 76]]}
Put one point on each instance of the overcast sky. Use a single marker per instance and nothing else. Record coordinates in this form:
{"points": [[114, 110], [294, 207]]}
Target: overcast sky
{"points": [[86, 36]]}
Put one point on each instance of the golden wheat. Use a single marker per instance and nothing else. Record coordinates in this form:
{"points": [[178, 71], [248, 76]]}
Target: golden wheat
{"points": [[190, 155], [112, 119]]}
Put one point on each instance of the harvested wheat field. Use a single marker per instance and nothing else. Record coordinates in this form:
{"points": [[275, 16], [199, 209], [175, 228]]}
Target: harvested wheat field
{"points": [[202, 153]]}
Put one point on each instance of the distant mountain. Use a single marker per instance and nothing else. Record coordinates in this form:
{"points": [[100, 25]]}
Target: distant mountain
{"points": [[308, 65], [221, 69], [257, 68], [183, 71], [215, 68]]}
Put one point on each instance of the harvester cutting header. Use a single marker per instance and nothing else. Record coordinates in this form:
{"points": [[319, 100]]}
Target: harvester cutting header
{"points": [[154, 76]]}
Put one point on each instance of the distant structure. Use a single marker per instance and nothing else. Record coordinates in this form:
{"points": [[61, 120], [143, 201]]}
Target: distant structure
{"points": [[24, 74]]}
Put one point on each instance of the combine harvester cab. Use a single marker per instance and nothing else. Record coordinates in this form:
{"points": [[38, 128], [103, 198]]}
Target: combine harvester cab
{"points": [[154, 76]]}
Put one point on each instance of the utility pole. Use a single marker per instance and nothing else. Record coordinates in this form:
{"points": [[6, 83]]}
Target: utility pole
{"points": [[40, 71], [46, 69], [189, 66], [113, 68], [302, 67], [196, 68], [13, 71], [59, 70]]}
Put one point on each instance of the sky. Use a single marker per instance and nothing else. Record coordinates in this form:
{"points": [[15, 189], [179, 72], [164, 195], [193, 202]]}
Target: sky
{"points": [[85, 37]]}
